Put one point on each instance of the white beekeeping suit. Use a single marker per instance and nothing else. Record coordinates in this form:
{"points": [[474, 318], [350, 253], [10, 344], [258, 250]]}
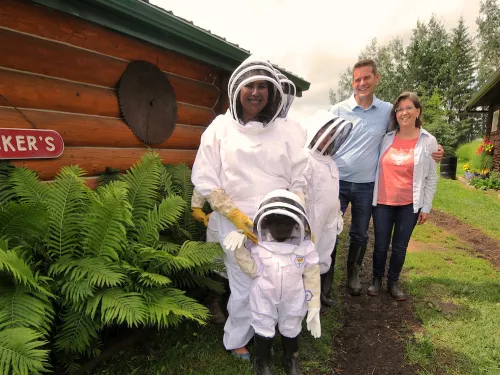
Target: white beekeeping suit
{"points": [[237, 164], [289, 93], [325, 134], [284, 266]]}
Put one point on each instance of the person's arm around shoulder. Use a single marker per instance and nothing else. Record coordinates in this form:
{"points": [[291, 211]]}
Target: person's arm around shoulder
{"points": [[430, 181]]}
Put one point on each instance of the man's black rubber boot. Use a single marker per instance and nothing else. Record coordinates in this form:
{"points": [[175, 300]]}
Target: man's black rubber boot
{"points": [[374, 289], [291, 355], [354, 262], [262, 347], [326, 288]]}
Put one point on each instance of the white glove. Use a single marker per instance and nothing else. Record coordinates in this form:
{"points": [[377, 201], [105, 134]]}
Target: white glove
{"points": [[340, 224], [313, 323], [234, 240]]}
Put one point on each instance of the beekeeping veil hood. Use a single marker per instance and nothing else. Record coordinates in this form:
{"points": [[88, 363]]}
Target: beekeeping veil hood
{"points": [[250, 70], [325, 124], [289, 93], [286, 203]]}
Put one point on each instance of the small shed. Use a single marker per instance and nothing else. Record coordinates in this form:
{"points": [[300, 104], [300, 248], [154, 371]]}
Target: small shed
{"points": [[61, 62], [488, 99]]}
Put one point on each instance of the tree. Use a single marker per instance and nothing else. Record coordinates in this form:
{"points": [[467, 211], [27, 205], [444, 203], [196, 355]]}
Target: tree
{"points": [[427, 58], [344, 87], [461, 68], [488, 23]]}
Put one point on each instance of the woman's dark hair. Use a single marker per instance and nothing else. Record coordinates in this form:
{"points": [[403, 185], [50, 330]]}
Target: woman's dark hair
{"points": [[416, 102], [273, 99]]}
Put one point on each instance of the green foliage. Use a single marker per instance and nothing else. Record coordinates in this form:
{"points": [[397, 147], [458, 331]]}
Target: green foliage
{"points": [[491, 182], [85, 260], [488, 24], [467, 152]]}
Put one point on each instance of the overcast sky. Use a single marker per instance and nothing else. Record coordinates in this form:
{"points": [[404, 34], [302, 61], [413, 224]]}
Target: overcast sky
{"points": [[316, 39]]}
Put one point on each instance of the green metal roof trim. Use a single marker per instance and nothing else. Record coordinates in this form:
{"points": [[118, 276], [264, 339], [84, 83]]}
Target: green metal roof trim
{"points": [[476, 100], [162, 28]]}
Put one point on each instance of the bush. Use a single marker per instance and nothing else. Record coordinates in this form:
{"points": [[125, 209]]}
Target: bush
{"points": [[491, 182], [467, 152], [75, 261]]}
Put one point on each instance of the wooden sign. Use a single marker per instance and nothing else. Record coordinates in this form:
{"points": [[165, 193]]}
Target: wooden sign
{"points": [[30, 144]]}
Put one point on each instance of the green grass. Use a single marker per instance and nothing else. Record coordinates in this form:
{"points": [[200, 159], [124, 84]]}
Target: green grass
{"points": [[456, 296], [475, 207], [191, 349]]}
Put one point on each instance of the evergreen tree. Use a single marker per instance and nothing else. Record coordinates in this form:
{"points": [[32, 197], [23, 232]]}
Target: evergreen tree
{"points": [[488, 23]]}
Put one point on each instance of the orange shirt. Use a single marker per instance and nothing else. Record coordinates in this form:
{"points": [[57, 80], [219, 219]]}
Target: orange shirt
{"points": [[396, 173]]}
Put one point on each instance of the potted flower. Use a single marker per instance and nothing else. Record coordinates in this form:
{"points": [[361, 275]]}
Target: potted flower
{"points": [[467, 167]]}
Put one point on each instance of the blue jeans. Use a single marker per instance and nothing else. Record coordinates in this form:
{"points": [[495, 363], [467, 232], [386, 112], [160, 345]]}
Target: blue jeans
{"points": [[360, 195], [402, 220]]}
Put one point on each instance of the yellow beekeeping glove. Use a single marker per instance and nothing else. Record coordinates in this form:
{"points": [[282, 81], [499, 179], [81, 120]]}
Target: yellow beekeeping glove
{"points": [[243, 222], [200, 216]]}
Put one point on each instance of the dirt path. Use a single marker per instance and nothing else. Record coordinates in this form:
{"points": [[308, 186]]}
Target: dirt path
{"points": [[487, 247], [375, 329]]}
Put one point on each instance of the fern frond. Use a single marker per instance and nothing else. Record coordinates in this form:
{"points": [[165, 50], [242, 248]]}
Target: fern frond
{"points": [[166, 184], [7, 193], [23, 223], [200, 253], [181, 179], [186, 280], [168, 247], [104, 227], [118, 306], [159, 260], [13, 264], [143, 180], [22, 307], [160, 217], [76, 291], [98, 272], [77, 332], [27, 186], [164, 303], [20, 353], [67, 201], [149, 279]]}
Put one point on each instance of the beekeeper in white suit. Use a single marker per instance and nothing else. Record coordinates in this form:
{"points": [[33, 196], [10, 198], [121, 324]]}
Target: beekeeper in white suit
{"points": [[326, 132], [243, 155], [286, 282]]}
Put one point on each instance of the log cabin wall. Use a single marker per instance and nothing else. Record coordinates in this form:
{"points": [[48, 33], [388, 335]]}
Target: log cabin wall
{"points": [[494, 136], [61, 72]]}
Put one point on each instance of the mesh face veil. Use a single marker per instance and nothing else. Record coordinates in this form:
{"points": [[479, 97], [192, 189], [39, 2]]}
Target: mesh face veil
{"points": [[278, 204], [289, 92], [251, 70], [329, 131]]}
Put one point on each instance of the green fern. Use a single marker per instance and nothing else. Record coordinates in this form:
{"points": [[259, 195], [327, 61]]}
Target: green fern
{"points": [[168, 306], [99, 272], [200, 252], [7, 193], [143, 180], [118, 306], [23, 223], [149, 279], [26, 184], [160, 217], [20, 352], [77, 332], [23, 307], [104, 227], [67, 203]]}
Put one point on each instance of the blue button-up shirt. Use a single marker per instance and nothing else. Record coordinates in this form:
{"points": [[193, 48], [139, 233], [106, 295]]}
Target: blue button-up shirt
{"points": [[357, 158]]}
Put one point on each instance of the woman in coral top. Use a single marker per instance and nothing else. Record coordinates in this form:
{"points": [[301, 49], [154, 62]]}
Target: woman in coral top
{"points": [[404, 188]]}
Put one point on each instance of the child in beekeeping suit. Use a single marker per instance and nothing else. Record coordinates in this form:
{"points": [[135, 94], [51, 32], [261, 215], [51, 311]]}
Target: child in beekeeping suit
{"points": [[286, 282], [326, 133]]}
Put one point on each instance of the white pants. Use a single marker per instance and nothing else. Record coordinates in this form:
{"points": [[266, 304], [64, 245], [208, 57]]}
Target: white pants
{"points": [[237, 331]]}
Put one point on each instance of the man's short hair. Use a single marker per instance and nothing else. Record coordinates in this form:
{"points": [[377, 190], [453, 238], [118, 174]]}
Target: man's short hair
{"points": [[366, 62]]}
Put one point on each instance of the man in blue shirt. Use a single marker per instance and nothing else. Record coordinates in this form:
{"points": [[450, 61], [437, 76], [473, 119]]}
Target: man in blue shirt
{"points": [[357, 162]]}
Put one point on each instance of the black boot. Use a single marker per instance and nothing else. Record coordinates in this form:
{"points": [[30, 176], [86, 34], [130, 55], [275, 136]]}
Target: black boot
{"points": [[395, 291], [326, 289], [262, 347], [354, 262], [291, 355], [375, 287]]}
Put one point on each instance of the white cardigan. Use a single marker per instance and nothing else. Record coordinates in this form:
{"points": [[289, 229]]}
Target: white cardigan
{"points": [[424, 173]]}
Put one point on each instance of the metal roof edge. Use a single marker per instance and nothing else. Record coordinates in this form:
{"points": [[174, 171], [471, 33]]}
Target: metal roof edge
{"points": [[161, 28], [483, 90]]}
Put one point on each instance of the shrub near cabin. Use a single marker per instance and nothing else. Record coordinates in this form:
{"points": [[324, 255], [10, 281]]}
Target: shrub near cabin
{"points": [[30, 144]]}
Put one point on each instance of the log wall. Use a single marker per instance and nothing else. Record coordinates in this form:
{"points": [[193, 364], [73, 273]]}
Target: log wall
{"points": [[62, 71]]}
